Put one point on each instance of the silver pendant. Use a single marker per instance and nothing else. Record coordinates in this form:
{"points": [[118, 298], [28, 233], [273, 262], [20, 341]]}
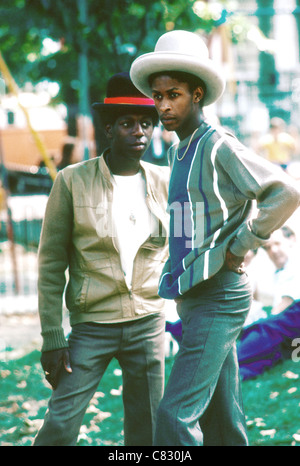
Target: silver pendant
{"points": [[132, 218]]}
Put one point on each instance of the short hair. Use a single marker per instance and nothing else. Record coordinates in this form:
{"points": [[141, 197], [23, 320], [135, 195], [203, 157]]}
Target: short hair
{"points": [[192, 81]]}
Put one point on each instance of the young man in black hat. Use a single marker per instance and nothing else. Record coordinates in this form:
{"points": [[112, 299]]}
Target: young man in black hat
{"points": [[105, 223], [213, 182]]}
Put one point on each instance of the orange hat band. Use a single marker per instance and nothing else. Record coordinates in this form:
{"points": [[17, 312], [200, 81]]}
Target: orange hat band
{"points": [[129, 100]]}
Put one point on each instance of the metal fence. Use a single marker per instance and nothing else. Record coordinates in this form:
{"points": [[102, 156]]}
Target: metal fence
{"points": [[18, 254]]}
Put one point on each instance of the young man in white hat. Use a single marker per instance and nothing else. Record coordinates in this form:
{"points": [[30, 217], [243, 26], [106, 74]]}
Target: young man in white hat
{"points": [[213, 182], [106, 224]]}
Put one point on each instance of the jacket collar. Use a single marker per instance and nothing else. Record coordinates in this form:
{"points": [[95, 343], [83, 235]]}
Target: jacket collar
{"points": [[104, 169], [107, 173], [157, 209]]}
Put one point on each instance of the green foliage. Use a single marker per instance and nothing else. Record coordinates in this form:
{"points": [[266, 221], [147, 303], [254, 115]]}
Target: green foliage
{"points": [[113, 34]]}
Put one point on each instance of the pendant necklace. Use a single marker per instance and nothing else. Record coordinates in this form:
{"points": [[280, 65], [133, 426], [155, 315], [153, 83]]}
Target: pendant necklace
{"points": [[132, 218], [188, 146]]}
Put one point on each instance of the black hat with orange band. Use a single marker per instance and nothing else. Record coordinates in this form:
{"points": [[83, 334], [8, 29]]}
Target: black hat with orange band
{"points": [[122, 97]]}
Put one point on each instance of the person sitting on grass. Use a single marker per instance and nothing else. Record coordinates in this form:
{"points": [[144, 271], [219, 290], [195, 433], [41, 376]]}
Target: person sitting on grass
{"points": [[270, 340]]}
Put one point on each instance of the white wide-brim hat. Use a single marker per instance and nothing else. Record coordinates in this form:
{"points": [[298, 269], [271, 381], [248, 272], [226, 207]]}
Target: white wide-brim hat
{"points": [[179, 51]]}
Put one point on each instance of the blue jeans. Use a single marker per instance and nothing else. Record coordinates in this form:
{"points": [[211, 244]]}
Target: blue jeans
{"points": [[139, 348], [202, 404]]}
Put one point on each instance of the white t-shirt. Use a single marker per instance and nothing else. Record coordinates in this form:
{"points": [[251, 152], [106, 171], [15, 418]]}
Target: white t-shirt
{"points": [[133, 221], [287, 282]]}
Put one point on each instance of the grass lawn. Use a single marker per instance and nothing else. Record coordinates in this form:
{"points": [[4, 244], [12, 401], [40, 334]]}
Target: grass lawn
{"points": [[272, 405]]}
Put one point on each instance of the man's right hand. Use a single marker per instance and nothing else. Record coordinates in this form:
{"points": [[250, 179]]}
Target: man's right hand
{"points": [[235, 263], [53, 362]]}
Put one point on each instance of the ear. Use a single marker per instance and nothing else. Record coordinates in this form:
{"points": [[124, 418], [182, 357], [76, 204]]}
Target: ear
{"points": [[198, 94]]}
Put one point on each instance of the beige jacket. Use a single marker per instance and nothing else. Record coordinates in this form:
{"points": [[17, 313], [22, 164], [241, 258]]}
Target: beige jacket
{"points": [[76, 240]]}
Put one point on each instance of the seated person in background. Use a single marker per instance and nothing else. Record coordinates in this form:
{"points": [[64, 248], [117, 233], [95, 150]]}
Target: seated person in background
{"points": [[257, 310], [278, 146], [268, 340]]}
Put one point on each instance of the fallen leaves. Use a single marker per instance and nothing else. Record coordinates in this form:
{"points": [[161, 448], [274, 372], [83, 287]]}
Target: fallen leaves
{"points": [[296, 437], [116, 392], [270, 433], [290, 375], [10, 409], [272, 405], [31, 426], [4, 373], [258, 422], [24, 400]]}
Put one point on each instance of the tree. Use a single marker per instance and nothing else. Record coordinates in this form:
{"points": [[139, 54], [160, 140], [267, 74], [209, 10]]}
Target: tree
{"points": [[43, 39], [114, 32], [268, 76]]}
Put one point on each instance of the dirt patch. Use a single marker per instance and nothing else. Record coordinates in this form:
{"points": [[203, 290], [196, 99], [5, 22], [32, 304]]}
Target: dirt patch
{"points": [[20, 332]]}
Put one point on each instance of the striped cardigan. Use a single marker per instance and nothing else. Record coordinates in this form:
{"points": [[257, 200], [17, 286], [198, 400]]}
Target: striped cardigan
{"points": [[212, 192]]}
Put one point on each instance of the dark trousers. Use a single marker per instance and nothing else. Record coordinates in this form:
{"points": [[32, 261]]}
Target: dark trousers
{"points": [[202, 404], [139, 348]]}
